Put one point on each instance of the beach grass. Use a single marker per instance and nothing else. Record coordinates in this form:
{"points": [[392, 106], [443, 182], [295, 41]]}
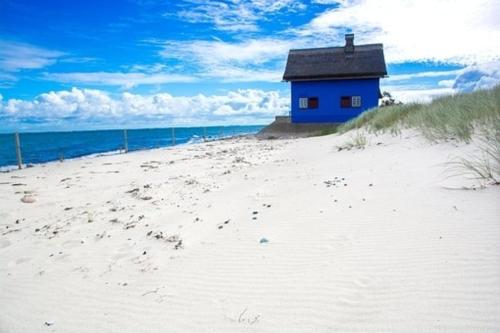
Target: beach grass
{"points": [[451, 117], [461, 117], [357, 141]]}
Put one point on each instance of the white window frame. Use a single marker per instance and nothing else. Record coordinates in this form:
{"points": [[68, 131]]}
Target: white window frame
{"points": [[303, 102], [356, 101]]}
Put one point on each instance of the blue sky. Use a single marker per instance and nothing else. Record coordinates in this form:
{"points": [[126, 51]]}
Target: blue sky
{"points": [[145, 63]]}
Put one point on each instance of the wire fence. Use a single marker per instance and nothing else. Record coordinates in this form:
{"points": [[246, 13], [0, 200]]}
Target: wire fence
{"points": [[25, 149]]}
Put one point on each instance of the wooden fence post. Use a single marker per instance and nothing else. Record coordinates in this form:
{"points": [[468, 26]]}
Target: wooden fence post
{"points": [[173, 136], [125, 141], [18, 151]]}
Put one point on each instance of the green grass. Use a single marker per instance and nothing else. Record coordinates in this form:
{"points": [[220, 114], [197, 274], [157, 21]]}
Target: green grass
{"points": [[382, 119], [450, 117], [461, 117], [328, 131]]}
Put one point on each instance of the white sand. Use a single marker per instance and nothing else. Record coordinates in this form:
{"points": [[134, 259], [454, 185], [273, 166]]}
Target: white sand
{"points": [[407, 254]]}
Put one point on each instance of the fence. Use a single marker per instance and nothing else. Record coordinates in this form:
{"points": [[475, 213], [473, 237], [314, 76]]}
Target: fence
{"points": [[23, 149]]}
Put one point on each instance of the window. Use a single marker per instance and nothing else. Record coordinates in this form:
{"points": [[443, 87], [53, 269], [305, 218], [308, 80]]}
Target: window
{"points": [[313, 103], [356, 101], [309, 103], [345, 101], [303, 103], [350, 101]]}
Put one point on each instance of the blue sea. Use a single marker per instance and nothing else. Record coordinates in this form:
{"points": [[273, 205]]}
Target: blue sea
{"points": [[51, 146]]}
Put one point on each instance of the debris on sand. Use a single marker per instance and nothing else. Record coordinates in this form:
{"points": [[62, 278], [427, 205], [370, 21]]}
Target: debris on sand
{"points": [[179, 245], [220, 226], [134, 190], [263, 240], [28, 199], [160, 235]]}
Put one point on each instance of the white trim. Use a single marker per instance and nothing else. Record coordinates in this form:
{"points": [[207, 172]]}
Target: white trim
{"points": [[303, 102], [356, 101]]}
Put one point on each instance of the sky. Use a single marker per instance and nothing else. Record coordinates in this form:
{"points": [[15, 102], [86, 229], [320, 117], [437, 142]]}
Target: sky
{"points": [[73, 65]]}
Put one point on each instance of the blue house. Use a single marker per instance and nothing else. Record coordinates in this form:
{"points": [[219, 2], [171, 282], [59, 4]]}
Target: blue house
{"points": [[334, 84]]}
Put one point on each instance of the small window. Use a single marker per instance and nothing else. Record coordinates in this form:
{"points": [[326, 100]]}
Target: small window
{"points": [[303, 103], [313, 103], [345, 101], [309, 103], [356, 101]]}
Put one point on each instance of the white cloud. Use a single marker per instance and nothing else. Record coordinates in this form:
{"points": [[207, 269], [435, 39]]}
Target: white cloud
{"points": [[431, 74], [476, 77], [235, 15], [255, 60], [331, 2], [463, 32], [409, 94], [250, 60], [15, 56], [148, 68], [95, 106], [228, 73], [460, 31], [446, 83], [471, 78], [253, 51], [125, 80]]}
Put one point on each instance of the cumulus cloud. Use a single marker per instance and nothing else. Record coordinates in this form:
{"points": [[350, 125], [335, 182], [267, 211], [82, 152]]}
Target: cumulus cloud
{"points": [[468, 79], [98, 107], [476, 77], [460, 31]]}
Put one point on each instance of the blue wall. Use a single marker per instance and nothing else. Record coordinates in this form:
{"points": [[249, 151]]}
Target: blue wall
{"points": [[329, 94]]}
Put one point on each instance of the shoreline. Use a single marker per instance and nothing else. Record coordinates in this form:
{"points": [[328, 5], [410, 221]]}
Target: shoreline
{"points": [[14, 167]]}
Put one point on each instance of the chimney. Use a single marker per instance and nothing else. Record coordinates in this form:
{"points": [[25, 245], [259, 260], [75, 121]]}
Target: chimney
{"points": [[349, 44]]}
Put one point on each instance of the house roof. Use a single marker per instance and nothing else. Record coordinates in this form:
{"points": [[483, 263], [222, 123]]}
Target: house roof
{"points": [[367, 61]]}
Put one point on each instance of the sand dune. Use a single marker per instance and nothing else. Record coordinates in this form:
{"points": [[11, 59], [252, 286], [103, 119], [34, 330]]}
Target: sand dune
{"points": [[252, 236]]}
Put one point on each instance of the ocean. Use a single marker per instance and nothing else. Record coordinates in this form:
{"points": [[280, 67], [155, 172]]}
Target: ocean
{"points": [[51, 146]]}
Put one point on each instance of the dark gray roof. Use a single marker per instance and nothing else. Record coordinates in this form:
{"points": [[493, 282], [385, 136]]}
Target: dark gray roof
{"points": [[334, 63]]}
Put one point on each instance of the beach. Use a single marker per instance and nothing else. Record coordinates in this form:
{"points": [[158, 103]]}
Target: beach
{"points": [[247, 235]]}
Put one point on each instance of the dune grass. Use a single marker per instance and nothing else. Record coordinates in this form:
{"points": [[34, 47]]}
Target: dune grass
{"points": [[484, 164], [460, 117], [450, 117], [357, 141]]}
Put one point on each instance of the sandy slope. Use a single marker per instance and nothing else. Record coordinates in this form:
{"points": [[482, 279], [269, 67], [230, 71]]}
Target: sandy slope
{"points": [[169, 240]]}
